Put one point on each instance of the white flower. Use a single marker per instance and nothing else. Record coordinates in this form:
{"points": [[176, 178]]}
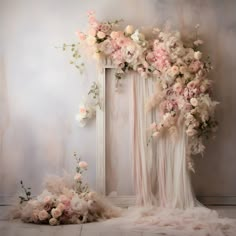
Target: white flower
{"points": [[197, 55], [129, 29], [137, 37], [43, 215], [194, 102], [78, 204], [77, 176], [55, 212], [91, 40], [53, 221], [83, 164]]}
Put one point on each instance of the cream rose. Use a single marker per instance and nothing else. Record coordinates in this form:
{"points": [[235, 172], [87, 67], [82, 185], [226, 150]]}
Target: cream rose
{"points": [[43, 215], [197, 55], [91, 40], [194, 102], [53, 221], [101, 35], [129, 29], [55, 212]]}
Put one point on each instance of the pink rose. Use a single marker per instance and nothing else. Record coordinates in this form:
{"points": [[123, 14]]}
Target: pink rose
{"points": [[61, 207], [195, 66], [101, 35], [83, 164], [105, 27], [47, 199], [43, 215], [80, 35], [92, 32], [77, 176], [177, 88], [55, 212]]}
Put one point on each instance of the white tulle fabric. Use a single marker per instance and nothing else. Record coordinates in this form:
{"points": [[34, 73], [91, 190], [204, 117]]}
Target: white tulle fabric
{"points": [[165, 201], [160, 171]]}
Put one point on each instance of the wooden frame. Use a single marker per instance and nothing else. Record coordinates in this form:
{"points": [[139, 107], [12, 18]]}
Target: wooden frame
{"points": [[122, 200]]}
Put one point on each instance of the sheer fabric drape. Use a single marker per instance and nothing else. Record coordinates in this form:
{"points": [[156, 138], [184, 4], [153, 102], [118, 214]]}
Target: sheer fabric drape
{"points": [[160, 174]]}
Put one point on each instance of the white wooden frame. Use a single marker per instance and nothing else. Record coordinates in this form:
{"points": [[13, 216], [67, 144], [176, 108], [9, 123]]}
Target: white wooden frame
{"points": [[122, 200]]}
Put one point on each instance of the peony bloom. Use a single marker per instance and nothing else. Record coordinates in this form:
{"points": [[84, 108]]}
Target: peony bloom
{"points": [[53, 221], [77, 176], [55, 212], [197, 55], [83, 164], [194, 102], [129, 29], [43, 215], [101, 35]]}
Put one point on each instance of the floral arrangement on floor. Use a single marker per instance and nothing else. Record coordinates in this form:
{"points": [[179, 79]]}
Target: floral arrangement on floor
{"points": [[177, 67], [65, 201]]}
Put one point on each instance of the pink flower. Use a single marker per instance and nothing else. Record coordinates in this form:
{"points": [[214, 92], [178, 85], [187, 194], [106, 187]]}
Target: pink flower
{"points": [[92, 32], [105, 27], [77, 176], [61, 206], [195, 66], [64, 199], [153, 125], [191, 84], [55, 212], [83, 164], [35, 217], [114, 34], [106, 47], [178, 88], [43, 215], [47, 199], [101, 35], [80, 35]]}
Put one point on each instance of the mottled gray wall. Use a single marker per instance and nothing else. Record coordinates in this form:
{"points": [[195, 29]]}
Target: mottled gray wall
{"points": [[40, 91]]}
